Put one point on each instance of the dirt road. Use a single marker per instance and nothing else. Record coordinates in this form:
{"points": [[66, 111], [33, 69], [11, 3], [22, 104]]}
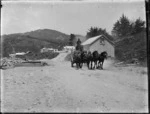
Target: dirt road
{"points": [[61, 88]]}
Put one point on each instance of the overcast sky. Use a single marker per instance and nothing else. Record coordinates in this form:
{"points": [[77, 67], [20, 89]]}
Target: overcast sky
{"points": [[67, 17]]}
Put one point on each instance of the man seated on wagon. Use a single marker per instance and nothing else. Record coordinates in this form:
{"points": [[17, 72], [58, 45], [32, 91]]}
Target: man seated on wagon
{"points": [[79, 47]]}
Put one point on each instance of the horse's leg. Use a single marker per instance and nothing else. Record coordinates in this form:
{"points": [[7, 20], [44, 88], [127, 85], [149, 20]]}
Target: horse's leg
{"points": [[77, 65], [95, 64], [71, 63], [88, 64], [81, 64], [102, 64], [99, 64], [91, 64]]}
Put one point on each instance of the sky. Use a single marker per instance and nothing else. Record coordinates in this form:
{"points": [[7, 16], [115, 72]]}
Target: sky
{"points": [[74, 17]]}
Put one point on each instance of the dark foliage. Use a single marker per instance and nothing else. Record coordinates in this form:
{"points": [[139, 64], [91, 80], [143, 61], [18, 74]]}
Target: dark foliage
{"points": [[131, 39], [124, 27], [38, 56], [45, 55], [32, 41], [132, 47], [72, 39], [94, 31]]}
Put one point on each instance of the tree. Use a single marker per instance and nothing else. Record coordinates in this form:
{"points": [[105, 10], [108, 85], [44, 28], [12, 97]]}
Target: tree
{"points": [[122, 27], [139, 26], [94, 31], [72, 39]]}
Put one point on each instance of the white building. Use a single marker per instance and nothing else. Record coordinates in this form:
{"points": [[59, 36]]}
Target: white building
{"points": [[48, 50], [69, 48], [99, 43]]}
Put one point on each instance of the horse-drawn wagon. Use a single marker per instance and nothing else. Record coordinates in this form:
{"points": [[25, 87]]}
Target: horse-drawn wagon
{"points": [[76, 58], [81, 57]]}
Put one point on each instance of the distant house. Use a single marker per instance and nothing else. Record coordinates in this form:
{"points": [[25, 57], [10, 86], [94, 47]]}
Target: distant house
{"points": [[69, 48], [100, 43], [48, 50], [19, 54]]}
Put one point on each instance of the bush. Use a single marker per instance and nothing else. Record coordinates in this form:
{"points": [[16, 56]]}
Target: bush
{"points": [[132, 47], [37, 56]]}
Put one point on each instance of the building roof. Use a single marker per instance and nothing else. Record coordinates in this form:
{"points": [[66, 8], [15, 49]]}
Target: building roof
{"points": [[21, 53], [69, 47], [93, 39]]}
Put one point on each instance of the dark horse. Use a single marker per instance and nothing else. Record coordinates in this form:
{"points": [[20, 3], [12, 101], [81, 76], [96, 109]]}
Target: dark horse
{"points": [[76, 58], [95, 58], [84, 57], [89, 60], [101, 59]]}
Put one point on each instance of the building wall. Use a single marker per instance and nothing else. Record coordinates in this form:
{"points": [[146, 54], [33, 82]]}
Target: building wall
{"points": [[110, 49], [86, 47], [96, 46], [100, 48]]}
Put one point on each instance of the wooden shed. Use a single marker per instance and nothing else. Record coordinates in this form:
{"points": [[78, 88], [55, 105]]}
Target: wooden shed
{"points": [[100, 43]]}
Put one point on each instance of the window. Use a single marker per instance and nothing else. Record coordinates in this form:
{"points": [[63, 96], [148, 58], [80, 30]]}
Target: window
{"points": [[102, 42]]}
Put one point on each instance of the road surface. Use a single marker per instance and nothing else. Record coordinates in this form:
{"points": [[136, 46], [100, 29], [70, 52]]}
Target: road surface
{"points": [[61, 88]]}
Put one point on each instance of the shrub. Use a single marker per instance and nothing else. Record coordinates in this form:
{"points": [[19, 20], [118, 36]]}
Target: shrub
{"points": [[37, 56]]}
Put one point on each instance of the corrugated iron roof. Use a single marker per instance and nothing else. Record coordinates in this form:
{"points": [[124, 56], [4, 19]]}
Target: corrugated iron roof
{"points": [[93, 39]]}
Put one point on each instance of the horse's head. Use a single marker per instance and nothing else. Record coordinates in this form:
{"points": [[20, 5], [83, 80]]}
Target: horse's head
{"points": [[95, 55], [82, 54], [89, 53], [104, 54]]}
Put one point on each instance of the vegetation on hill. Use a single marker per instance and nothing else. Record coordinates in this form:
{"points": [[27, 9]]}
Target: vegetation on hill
{"points": [[125, 27], [33, 41], [130, 39], [95, 31], [132, 47], [48, 35], [37, 56]]}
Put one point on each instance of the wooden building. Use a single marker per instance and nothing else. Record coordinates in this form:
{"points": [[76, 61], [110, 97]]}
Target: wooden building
{"points": [[100, 43]]}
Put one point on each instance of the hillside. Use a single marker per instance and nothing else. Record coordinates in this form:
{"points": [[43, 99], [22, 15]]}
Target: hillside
{"points": [[48, 35], [33, 41], [132, 47]]}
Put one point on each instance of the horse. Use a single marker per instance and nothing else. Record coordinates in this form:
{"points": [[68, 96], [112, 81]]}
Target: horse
{"points": [[101, 59], [95, 58], [76, 58], [83, 57], [89, 60]]}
